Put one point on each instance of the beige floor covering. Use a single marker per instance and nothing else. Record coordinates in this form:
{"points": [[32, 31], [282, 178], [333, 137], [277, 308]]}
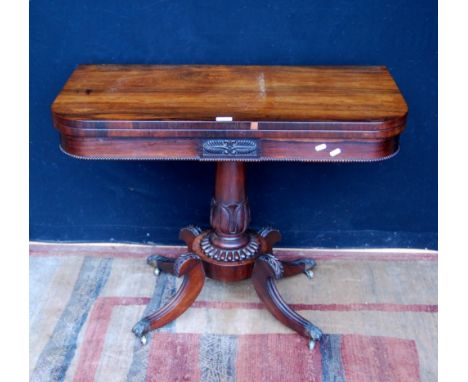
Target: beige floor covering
{"points": [[377, 309]]}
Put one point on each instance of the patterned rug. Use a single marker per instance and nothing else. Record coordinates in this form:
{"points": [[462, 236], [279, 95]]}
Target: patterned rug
{"points": [[378, 310]]}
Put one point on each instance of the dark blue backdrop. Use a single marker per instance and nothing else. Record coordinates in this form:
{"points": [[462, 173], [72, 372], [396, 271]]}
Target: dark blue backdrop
{"points": [[391, 203]]}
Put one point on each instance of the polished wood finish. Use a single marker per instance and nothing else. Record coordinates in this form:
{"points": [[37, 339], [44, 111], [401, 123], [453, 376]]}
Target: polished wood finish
{"points": [[226, 271], [189, 234], [161, 263], [114, 93], [299, 265], [229, 218], [270, 237], [286, 149], [232, 115], [230, 212], [190, 266], [267, 269], [169, 112]]}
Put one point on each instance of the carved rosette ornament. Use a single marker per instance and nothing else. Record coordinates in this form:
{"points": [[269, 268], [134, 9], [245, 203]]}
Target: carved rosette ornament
{"points": [[239, 254]]}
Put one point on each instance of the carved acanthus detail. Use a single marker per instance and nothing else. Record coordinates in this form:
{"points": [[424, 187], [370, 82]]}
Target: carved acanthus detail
{"points": [[230, 218], [275, 265]]}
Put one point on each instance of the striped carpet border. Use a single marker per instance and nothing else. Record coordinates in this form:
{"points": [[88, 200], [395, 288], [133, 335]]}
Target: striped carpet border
{"points": [[213, 355]]}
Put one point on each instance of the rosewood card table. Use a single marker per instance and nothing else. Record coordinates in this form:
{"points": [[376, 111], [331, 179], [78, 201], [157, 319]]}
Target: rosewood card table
{"points": [[230, 115]]}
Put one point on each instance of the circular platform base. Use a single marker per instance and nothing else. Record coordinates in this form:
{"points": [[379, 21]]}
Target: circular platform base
{"points": [[233, 267], [249, 251]]}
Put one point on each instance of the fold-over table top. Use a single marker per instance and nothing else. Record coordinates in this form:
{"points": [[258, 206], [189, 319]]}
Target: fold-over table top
{"points": [[230, 113]]}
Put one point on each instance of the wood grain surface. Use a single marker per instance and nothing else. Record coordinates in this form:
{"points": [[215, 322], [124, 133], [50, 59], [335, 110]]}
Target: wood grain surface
{"points": [[245, 93], [166, 112]]}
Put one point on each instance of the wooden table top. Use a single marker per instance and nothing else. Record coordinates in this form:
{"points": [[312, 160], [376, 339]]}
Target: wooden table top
{"points": [[230, 112]]}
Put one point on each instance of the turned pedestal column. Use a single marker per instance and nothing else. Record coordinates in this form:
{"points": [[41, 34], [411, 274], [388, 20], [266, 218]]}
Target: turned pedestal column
{"points": [[228, 251], [230, 213]]}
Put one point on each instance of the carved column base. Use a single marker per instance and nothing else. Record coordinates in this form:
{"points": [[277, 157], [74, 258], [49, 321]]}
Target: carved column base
{"points": [[263, 267], [227, 265], [229, 251], [249, 251]]}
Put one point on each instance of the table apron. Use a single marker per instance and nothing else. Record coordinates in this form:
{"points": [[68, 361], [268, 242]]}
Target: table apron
{"points": [[329, 150]]}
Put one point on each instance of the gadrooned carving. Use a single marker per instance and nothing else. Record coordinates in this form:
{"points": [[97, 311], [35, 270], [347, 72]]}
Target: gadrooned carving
{"points": [[229, 255], [230, 148]]}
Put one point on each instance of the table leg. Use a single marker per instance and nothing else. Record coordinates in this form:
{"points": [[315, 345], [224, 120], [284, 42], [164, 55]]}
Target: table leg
{"points": [[300, 265], [161, 263], [267, 269], [190, 266]]}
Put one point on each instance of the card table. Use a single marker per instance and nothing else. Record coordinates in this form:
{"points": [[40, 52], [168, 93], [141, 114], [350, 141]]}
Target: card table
{"points": [[231, 115]]}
